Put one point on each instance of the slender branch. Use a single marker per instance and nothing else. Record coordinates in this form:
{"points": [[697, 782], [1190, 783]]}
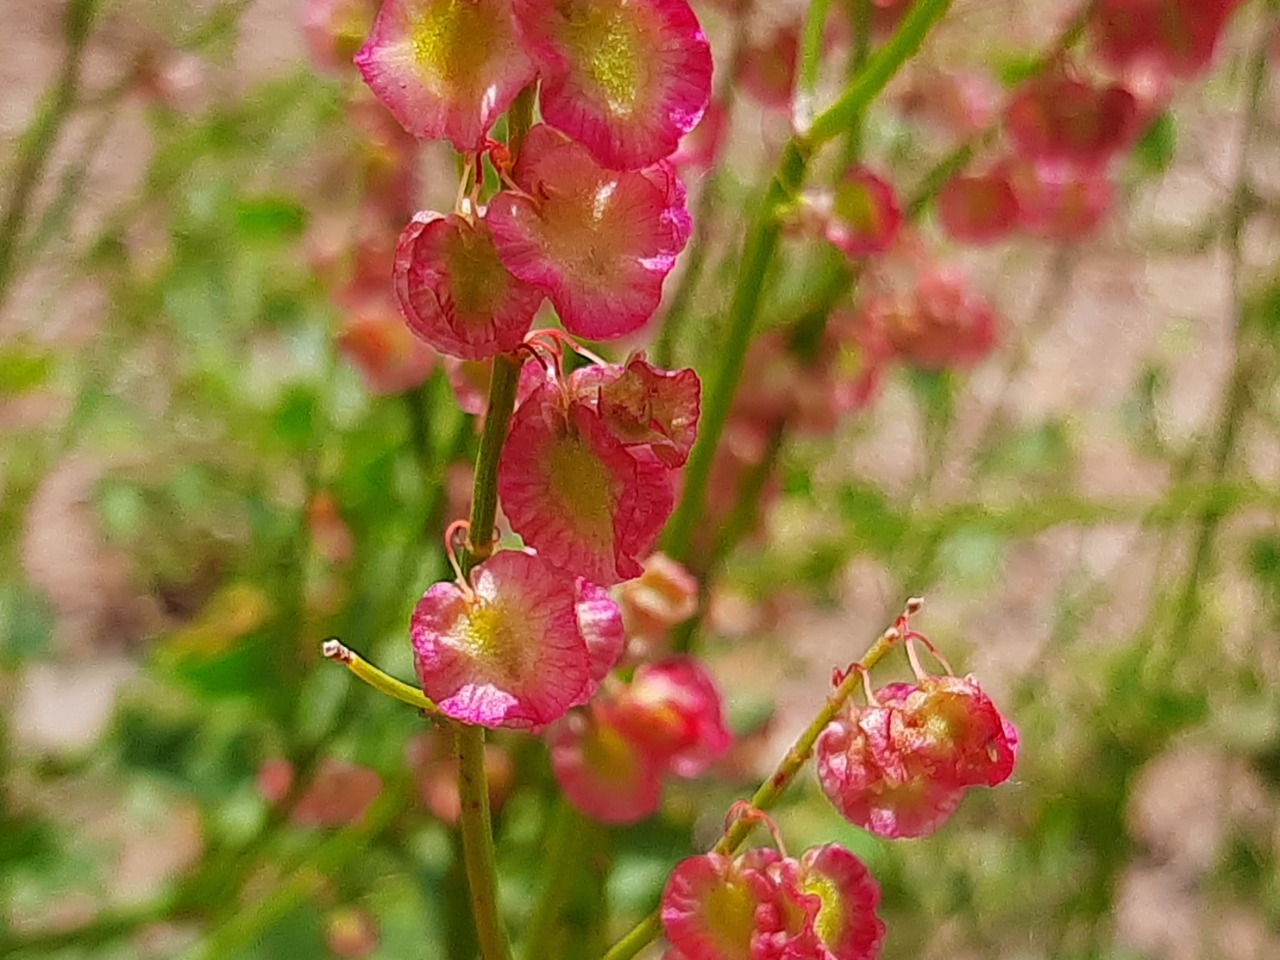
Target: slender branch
{"points": [[497, 420], [334, 649], [772, 789], [40, 138], [810, 62]]}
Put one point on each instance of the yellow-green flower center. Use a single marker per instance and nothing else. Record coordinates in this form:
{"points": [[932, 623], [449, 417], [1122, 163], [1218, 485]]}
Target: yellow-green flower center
{"points": [[613, 53], [580, 487], [493, 633], [829, 923], [730, 912], [452, 40]]}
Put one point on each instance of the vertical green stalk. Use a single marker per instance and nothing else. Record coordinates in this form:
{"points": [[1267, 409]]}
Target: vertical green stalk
{"points": [[757, 257], [810, 62], [477, 842], [497, 420], [559, 849]]}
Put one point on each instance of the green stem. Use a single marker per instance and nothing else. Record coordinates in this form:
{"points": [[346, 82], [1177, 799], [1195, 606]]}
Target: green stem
{"points": [[757, 257], [38, 143], [810, 62], [497, 420], [477, 842], [558, 854], [772, 789], [334, 649]]}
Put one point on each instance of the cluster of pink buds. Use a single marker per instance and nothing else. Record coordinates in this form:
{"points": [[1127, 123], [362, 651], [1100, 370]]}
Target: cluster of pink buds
{"points": [[765, 905], [900, 765], [1065, 126], [611, 759]]}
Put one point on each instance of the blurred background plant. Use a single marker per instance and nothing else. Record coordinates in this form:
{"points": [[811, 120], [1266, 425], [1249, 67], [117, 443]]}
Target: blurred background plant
{"points": [[221, 445]]}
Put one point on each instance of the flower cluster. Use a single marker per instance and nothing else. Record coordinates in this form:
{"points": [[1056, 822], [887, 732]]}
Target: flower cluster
{"points": [[610, 760], [1065, 126], [763, 905], [900, 765]]}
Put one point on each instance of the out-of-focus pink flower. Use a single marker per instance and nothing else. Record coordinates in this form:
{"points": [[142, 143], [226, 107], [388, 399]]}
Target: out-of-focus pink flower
{"points": [[434, 763], [576, 494], [625, 78], [1178, 35], [335, 29], [979, 208], [604, 772], [960, 104], [330, 534], [598, 242], [664, 595], [1058, 118], [1060, 201], [351, 933], [446, 69], [455, 292], [701, 147], [767, 71], [673, 710], [339, 793], [943, 322], [860, 216], [375, 339], [509, 649]]}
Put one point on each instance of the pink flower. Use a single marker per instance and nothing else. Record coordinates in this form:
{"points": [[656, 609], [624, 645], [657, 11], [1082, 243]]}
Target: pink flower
{"points": [[625, 78], [644, 405], [1058, 118], [710, 907], [664, 595], [873, 786], [603, 772], [943, 323], [377, 342], [673, 711], [447, 69], [1060, 201], [767, 71], [599, 242], [576, 494], [702, 146], [861, 216], [600, 620], [1179, 35], [340, 792], [454, 291], [979, 208], [846, 924], [334, 30], [948, 725], [511, 649]]}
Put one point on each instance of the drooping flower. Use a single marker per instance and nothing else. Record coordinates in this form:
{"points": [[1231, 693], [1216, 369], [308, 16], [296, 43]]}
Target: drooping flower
{"points": [[644, 405], [872, 785], [509, 649], [603, 772], [673, 710], [1059, 118], [576, 494], [860, 216], [454, 291], [625, 78], [951, 727], [447, 69], [979, 208], [598, 242], [1060, 201], [943, 322]]}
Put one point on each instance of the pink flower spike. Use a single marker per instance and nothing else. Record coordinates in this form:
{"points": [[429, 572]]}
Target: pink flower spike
{"points": [[602, 772], [847, 924], [447, 69], [507, 653], [674, 710], [576, 494], [861, 217], [642, 404], [710, 907], [599, 242], [455, 293], [625, 78]]}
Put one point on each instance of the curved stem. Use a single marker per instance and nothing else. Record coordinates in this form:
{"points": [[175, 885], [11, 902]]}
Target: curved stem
{"points": [[648, 929], [335, 649]]}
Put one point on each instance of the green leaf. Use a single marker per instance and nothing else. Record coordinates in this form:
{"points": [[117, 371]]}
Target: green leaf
{"points": [[1154, 153]]}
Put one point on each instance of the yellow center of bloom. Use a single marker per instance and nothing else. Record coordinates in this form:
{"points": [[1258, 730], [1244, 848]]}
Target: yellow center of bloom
{"points": [[730, 912], [612, 50], [580, 488], [829, 923], [477, 278], [493, 634], [607, 752], [452, 40]]}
